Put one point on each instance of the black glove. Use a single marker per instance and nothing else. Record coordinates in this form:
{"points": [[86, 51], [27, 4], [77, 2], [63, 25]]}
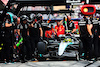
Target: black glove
{"points": [[13, 24], [41, 38], [28, 35], [91, 36]]}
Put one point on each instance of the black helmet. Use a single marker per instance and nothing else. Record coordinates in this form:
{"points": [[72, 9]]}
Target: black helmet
{"points": [[39, 16], [8, 16], [32, 17], [24, 17]]}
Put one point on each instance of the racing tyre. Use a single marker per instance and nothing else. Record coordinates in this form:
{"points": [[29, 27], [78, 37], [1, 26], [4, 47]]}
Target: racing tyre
{"points": [[42, 47]]}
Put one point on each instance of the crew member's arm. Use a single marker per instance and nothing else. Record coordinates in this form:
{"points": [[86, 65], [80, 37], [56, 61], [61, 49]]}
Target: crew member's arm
{"points": [[18, 31], [31, 25], [49, 35], [89, 29], [55, 30], [54, 33], [74, 30], [99, 36], [41, 32], [61, 22], [7, 24], [28, 32]]}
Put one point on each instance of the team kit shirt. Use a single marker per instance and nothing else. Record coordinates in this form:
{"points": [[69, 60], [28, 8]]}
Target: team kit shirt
{"points": [[34, 31], [6, 32], [95, 26], [83, 27], [70, 26], [60, 30], [23, 29]]}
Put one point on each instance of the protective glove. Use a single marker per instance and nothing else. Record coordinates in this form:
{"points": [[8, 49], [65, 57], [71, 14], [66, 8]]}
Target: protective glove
{"points": [[28, 35], [41, 38], [13, 24], [91, 36]]}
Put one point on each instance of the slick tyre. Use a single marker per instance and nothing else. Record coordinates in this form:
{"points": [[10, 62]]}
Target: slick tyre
{"points": [[42, 47]]}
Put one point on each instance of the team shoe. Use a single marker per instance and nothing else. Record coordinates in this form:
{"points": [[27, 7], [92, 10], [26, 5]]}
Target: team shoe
{"points": [[27, 60], [91, 60], [23, 61], [16, 60], [33, 59], [10, 63], [98, 58], [81, 59]]}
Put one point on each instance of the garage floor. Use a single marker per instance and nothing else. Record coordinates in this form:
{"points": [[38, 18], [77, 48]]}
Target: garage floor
{"points": [[82, 63]]}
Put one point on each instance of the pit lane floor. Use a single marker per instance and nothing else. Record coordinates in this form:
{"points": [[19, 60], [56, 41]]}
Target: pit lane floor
{"points": [[81, 63]]}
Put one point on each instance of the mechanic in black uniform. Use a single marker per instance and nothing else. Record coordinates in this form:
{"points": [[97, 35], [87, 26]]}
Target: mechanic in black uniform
{"points": [[6, 37], [35, 32], [70, 25], [24, 32], [96, 37], [99, 37], [86, 35]]}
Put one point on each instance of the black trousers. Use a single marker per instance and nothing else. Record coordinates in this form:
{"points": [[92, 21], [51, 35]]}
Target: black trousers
{"points": [[87, 46], [7, 43], [25, 49], [99, 47], [96, 46], [33, 41], [96, 40]]}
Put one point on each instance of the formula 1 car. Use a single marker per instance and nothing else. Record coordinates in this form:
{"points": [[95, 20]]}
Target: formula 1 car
{"points": [[68, 46], [64, 48]]}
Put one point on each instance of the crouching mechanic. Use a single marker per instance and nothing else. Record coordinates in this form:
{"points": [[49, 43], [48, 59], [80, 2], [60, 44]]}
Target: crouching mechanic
{"points": [[24, 32], [35, 32]]}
